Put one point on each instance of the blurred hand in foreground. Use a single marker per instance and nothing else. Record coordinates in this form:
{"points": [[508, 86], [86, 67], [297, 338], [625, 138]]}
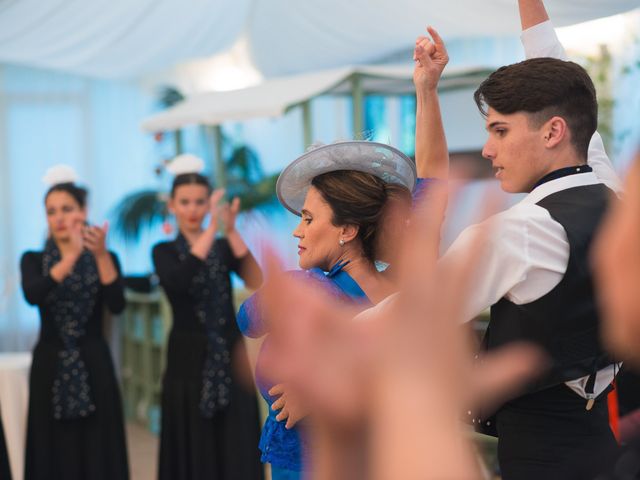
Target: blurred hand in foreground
{"points": [[386, 388]]}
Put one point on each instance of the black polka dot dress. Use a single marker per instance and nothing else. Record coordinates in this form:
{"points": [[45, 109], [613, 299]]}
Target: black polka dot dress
{"points": [[75, 427], [210, 425]]}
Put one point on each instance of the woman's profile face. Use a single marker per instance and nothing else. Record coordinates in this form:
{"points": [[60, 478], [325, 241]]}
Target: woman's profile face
{"points": [[190, 204], [318, 239], [63, 212], [617, 261]]}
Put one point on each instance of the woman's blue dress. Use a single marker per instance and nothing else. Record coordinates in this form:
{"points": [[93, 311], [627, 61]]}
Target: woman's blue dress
{"points": [[283, 448]]}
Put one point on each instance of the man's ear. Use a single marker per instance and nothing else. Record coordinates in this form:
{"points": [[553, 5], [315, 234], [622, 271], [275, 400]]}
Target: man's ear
{"points": [[170, 206], [555, 131]]}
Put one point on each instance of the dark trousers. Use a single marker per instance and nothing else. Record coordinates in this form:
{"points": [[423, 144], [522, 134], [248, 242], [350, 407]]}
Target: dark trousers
{"points": [[550, 435]]}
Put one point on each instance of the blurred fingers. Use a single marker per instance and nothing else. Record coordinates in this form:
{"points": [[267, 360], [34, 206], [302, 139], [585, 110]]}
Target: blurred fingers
{"points": [[283, 415], [235, 205], [277, 390], [501, 375], [279, 403]]}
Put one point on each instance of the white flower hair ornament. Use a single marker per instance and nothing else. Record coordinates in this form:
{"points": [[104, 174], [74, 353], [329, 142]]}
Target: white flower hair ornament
{"points": [[59, 174], [185, 163]]}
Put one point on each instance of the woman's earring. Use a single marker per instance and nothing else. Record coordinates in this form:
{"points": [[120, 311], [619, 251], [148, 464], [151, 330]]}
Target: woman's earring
{"points": [[341, 242]]}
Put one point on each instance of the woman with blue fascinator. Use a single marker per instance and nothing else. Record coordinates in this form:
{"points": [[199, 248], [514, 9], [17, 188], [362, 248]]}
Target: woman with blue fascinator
{"points": [[353, 198], [339, 191], [75, 427]]}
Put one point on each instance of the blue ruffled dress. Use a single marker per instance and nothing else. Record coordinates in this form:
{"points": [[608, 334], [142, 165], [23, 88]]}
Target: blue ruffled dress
{"points": [[282, 448]]}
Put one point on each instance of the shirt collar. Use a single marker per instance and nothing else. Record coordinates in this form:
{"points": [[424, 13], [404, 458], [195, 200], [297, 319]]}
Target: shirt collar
{"points": [[559, 184], [563, 172]]}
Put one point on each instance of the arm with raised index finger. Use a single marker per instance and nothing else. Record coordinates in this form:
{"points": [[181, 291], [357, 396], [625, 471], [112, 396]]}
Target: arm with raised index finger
{"points": [[432, 155]]}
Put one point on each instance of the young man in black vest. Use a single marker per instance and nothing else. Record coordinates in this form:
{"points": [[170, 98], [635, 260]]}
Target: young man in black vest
{"points": [[541, 117]]}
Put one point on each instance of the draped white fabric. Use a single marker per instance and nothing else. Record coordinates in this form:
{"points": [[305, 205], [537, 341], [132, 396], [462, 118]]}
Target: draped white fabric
{"points": [[126, 38], [317, 34], [116, 38]]}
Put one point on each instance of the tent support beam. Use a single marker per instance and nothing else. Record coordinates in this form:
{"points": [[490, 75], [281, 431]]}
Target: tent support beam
{"points": [[357, 96], [307, 124], [177, 141], [220, 180]]}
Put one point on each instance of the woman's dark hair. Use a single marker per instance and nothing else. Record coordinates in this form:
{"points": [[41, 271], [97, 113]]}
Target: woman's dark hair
{"points": [[189, 179], [544, 88], [358, 198], [79, 194]]}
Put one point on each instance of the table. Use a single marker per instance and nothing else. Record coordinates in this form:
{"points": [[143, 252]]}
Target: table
{"points": [[14, 400]]}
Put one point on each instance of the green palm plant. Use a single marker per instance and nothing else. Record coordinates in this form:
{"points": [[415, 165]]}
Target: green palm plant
{"points": [[137, 211], [247, 180]]}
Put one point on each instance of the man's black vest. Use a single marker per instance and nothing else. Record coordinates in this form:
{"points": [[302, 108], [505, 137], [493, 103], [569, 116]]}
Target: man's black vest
{"points": [[565, 321]]}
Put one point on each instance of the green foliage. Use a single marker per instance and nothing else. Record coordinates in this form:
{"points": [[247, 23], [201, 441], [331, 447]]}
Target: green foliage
{"points": [[243, 166], [260, 194], [137, 210], [169, 96], [246, 179], [600, 69]]}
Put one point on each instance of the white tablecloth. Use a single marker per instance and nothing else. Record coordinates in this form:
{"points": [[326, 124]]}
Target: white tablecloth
{"points": [[14, 398]]}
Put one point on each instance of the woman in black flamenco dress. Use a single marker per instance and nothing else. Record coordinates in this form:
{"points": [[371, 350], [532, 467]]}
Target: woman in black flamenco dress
{"points": [[75, 428], [210, 423]]}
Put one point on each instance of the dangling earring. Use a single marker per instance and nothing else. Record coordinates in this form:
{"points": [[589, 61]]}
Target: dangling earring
{"points": [[341, 242]]}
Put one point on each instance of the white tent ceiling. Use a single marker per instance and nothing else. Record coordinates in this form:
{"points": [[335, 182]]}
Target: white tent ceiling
{"points": [[128, 38], [325, 33], [116, 38]]}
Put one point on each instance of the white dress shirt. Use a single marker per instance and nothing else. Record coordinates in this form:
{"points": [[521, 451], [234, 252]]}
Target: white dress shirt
{"points": [[525, 252]]}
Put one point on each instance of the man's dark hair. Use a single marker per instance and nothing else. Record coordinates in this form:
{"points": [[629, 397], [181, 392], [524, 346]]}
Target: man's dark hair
{"points": [[544, 88]]}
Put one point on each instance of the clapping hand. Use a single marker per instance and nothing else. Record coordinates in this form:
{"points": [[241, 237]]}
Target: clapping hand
{"points": [[76, 239], [95, 239], [228, 214], [215, 208]]}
